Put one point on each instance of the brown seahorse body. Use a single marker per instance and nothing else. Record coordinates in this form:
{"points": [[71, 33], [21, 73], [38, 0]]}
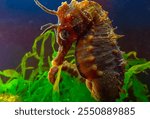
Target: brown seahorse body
{"points": [[98, 57], [99, 60]]}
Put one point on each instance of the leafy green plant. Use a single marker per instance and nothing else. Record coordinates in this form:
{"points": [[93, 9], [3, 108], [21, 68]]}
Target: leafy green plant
{"points": [[135, 66], [37, 87], [29, 83]]}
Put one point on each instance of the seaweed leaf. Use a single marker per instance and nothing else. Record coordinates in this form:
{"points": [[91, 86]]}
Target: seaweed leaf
{"points": [[140, 91], [56, 85], [24, 62], [41, 60], [10, 73], [128, 81], [135, 70]]}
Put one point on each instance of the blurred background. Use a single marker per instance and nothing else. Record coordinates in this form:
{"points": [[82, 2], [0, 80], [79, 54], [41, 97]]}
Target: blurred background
{"points": [[20, 22]]}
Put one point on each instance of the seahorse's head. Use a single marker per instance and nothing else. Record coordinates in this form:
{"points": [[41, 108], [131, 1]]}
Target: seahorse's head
{"points": [[73, 22]]}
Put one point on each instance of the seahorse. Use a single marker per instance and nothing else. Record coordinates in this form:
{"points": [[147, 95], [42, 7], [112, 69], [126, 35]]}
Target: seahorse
{"points": [[98, 57]]}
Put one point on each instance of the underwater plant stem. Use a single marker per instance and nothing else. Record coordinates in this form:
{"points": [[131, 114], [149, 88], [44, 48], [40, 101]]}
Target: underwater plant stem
{"points": [[55, 93], [56, 84], [132, 53], [41, 60], [24, 61]]}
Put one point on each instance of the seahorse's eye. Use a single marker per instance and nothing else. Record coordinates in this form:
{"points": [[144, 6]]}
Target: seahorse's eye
{"points": [[64, 34]]}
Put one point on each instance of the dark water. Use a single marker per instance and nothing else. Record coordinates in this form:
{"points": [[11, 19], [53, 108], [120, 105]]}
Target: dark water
{"points": [[20, 22]]}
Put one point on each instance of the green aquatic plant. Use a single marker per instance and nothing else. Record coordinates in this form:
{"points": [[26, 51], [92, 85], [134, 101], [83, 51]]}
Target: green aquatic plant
{"points": [[131, 82], [29, 83], [8, 98], [37, 87]]}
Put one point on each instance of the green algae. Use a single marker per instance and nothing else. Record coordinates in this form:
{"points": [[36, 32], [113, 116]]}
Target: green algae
{"points": [[29, 83], [132, 83]]}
